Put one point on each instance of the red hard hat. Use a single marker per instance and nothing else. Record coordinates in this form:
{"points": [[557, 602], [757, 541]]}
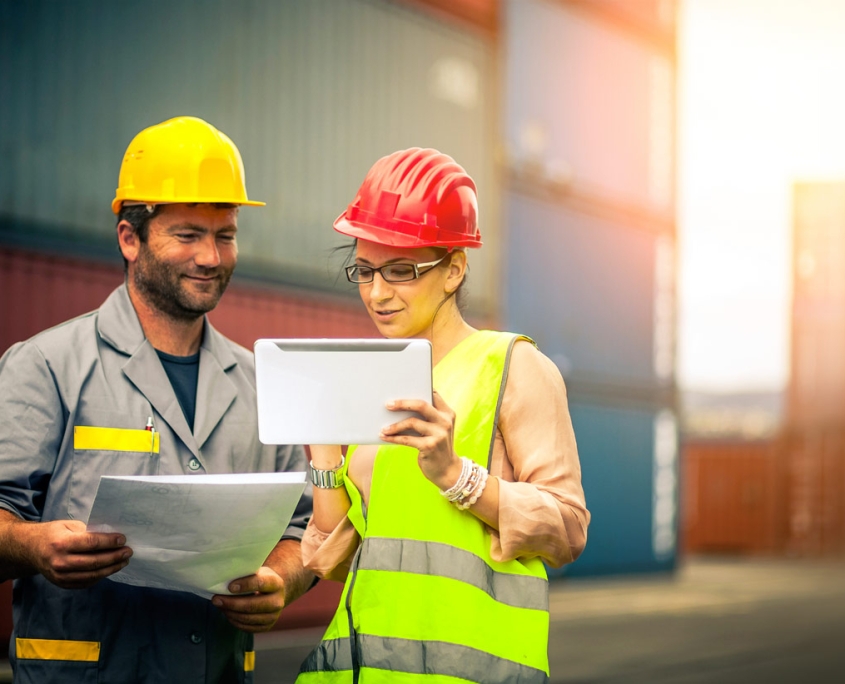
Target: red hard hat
{"points": [[414, 198]]}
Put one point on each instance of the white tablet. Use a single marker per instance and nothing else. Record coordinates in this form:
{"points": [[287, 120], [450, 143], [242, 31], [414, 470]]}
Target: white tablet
{"points": [[334, 391]]}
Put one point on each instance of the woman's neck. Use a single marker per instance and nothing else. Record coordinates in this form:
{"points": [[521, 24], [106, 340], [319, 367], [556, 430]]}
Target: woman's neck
{"points": [[447, 331]]}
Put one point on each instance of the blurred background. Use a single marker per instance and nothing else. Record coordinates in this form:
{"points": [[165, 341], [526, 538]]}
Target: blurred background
{"points": [[662, 198]]}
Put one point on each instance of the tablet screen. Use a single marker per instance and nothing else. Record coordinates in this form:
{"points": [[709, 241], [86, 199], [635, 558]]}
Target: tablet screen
{"points": [[334, 391]]}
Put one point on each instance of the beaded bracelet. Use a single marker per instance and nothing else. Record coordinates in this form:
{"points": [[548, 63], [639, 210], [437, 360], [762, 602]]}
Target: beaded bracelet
{"points": [[454, 492], [471, 482], [476, 491]]}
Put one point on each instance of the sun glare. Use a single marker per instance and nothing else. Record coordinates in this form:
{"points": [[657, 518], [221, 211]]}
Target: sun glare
{"points": [[760, 107]]}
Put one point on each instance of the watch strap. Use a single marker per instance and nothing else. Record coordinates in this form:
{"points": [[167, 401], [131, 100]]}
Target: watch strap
{"points": [[328, 479]]}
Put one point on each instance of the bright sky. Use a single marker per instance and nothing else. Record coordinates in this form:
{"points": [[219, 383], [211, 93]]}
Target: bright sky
{"points": [[761, 104]]}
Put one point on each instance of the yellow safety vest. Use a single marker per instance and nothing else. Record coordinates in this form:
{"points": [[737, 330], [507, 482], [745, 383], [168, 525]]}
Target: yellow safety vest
{"points": [[424, 601]]}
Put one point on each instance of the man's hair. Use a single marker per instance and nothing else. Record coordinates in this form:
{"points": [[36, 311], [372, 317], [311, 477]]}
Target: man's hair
{"points": [[139, 217]]}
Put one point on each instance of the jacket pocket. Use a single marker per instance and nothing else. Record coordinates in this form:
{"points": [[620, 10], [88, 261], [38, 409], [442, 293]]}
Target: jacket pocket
{"points": [[54, 660], [107, 451]]}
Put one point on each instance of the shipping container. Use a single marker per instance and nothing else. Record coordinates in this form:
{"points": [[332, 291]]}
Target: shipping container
{"points": [[786, 494], [629, 462], [589, 252], [589, 291], [812, 443], [817, 378], [42, 290], [312, 93], [480, 14], [732, 490], [589, 104], [813, 491]]}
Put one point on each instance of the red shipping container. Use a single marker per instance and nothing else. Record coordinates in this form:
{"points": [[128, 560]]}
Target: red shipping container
{"points": [[730, 496], [40, 290], [813, 464]]}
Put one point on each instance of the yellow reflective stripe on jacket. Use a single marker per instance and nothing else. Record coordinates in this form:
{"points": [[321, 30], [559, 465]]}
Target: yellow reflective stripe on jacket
{"points": [[249, 661], [57, 649], [86, 438]]}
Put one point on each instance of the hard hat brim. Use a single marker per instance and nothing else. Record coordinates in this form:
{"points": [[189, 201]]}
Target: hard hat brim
{"points": [[117, 203], [391, 238]]}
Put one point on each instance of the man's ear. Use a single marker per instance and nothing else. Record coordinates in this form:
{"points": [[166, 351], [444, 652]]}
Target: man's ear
{"points": [[457, 270], [130, 243]]}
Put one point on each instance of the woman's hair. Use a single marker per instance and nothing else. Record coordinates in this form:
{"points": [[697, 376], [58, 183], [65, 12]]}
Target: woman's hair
{"points": [[460, 293]]}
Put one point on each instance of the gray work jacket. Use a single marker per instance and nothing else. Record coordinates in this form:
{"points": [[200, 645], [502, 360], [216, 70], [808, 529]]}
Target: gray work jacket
{"points": [[99, 372]]}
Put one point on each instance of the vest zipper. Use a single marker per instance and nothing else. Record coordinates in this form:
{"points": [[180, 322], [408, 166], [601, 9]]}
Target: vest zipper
{"points": [[353, 635]]}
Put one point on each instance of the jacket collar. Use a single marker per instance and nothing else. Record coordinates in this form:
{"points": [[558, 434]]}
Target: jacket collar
{"points": [[118, 326]]}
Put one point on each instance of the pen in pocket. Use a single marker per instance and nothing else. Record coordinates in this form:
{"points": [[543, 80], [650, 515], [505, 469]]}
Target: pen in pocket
{"points": [[149, 426]]}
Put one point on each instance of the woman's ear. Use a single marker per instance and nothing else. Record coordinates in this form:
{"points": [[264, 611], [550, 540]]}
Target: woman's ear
{"points": [[457, 270]]}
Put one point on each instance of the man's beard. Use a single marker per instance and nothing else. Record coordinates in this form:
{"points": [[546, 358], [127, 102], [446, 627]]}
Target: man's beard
{"points": [[163, 288]]}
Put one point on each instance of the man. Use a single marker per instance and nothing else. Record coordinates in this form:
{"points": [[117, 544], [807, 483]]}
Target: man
{"points": [[79, 400]]}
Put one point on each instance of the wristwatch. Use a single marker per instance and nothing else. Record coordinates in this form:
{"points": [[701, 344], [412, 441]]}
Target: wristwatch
{"points": [[328, 479]]}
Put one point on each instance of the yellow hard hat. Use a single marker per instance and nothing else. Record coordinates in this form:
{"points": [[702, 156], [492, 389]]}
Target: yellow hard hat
{"points": [[181, 160]]}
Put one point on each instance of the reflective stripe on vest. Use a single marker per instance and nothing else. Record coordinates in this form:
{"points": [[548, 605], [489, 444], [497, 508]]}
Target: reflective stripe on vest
{"points": [[421, 657], [433, 558], [249, 661], [57, 649]]}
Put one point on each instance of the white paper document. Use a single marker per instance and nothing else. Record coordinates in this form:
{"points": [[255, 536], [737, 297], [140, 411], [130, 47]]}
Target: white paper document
{"points": [[195, 533]]}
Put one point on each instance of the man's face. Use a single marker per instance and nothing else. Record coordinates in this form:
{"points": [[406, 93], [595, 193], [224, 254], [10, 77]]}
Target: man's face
{"points": [[187, 261]]}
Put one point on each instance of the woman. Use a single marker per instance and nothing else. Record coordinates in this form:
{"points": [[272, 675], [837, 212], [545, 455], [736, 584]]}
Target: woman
{"points": [[443, 564]]}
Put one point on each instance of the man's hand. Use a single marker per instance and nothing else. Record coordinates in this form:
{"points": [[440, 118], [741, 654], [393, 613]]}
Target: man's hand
{"points": [[64, 551], [262, 596], [259, 603]]}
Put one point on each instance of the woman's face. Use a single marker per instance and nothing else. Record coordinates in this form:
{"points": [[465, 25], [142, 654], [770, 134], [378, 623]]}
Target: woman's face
{"points": [[405, 309]]}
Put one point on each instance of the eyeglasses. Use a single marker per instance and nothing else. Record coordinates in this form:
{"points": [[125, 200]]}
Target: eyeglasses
{"points": [[392, 273]]}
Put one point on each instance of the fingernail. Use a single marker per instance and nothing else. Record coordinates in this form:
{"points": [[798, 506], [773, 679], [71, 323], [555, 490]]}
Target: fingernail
{"points": [[235, 588], [119, 541], [390, 404], [126, 554], [217, 602]]}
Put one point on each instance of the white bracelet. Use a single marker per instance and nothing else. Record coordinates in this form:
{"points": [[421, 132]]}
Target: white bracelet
{"points": [[476, 491], [454, 492]]}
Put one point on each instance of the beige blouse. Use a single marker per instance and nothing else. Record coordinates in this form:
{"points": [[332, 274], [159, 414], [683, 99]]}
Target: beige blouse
{"points": [[542, 511]]}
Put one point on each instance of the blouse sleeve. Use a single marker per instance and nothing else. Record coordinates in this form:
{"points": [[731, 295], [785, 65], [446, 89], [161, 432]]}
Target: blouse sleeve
{"points": [[542, 510], [329, 554]]}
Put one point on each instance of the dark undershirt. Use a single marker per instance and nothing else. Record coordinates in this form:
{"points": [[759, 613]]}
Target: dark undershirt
{"points": [[183, 372]]}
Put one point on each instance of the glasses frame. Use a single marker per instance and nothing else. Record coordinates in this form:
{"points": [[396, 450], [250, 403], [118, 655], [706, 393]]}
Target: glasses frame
{"points": [[428, 265]]}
